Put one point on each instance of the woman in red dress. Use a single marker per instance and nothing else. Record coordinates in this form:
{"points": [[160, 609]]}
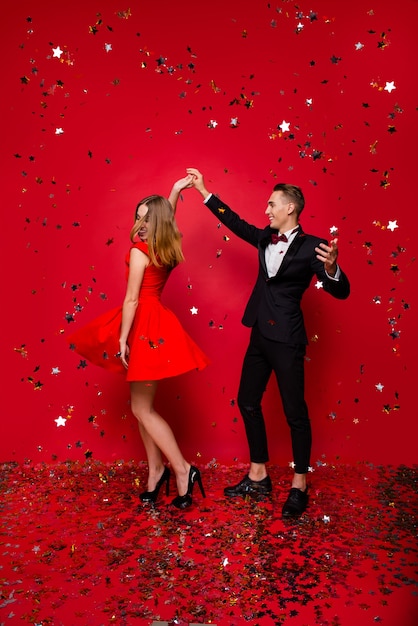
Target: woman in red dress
{"points": [[147, 340]]}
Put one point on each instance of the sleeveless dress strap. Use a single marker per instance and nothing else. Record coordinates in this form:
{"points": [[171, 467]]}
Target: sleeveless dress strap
{"points": [[141, 245]]}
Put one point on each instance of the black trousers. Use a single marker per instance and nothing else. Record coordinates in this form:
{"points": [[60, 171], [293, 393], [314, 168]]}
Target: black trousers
{"points": [[263, 357]]}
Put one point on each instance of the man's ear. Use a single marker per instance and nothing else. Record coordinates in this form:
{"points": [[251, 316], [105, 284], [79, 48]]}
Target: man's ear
{"points": [[291, 208]]}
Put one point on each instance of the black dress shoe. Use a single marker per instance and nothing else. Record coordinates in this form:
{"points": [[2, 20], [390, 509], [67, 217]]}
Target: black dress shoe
{"points": [[296, 503], [248, 487]]}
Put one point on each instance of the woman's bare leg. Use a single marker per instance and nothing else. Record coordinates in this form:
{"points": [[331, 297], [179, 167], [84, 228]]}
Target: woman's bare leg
{"points": [[154, 458], [157, 436]]}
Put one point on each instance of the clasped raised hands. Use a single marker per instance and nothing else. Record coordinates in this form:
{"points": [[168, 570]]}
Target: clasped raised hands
{"points": [[183, 183], [198, 182]]}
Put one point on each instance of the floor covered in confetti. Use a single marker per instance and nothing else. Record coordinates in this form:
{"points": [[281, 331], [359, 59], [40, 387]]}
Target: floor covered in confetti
{"points": [[79, 549]]}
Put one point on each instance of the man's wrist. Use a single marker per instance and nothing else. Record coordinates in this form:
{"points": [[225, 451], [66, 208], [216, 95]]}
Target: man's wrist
{"points": [[334, 276]]}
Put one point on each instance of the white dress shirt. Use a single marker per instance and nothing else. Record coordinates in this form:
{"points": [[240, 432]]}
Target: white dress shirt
{"points": [[275, 252]]}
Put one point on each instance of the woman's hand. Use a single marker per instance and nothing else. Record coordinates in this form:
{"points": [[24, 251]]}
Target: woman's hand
{"points": [[183, 183], [179, 185], [124, 353]]}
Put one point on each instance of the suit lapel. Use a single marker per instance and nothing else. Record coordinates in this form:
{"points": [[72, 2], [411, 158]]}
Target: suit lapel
{"points": [[291, 252], [264, 241]]}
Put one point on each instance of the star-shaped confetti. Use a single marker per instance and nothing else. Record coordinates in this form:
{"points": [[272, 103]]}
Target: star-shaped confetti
{"points": [[56, 52], [392, 225], [284, 126], [319, 284], [389, 87], [379, 387], [194, 310], [60, 421]]}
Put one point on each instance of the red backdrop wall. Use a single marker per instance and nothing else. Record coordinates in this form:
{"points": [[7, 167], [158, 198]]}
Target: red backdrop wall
{"points": [[104, 103]]}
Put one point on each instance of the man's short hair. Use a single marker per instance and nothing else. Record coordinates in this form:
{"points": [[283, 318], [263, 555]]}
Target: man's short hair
{"points": [[293, 194]]}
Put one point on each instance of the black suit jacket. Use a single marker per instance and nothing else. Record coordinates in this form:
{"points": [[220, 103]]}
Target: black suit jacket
{"points": [[275, 302]]}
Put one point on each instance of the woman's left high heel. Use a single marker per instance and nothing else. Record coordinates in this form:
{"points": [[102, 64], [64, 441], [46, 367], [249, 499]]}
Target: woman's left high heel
{"points": [[183, 502], [151, 496]]}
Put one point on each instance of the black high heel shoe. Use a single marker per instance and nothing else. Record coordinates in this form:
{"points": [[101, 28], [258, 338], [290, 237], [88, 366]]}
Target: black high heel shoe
{"points": [[182, 502], [151, 496]]}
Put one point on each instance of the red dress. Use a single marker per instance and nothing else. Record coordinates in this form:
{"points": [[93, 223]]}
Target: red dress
{"points": [[159, 345]]}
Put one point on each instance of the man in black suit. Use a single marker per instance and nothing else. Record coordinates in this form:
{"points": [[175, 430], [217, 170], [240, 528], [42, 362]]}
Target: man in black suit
{"points": [[288, 260]]}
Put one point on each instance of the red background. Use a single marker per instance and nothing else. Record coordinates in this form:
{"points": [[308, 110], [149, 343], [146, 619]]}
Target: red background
{"points": [[207, 85]]}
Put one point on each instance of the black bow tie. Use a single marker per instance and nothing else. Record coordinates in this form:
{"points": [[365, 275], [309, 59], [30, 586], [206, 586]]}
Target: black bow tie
{"points": [[276, 238]]}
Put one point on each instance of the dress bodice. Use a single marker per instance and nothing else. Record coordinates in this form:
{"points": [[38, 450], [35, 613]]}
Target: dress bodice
{"points": [[154, 279]]}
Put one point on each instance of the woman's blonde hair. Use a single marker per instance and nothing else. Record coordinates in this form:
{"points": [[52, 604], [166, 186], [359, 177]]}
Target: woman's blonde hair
{"points": [[164, 238]]}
